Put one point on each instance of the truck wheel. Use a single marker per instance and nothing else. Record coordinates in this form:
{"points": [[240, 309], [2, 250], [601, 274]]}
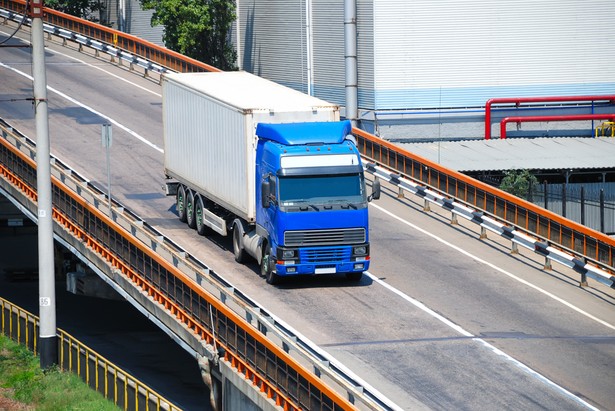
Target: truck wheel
{"points": [[238, 250], [190, 209], [268, 267], [180, 203], [354, 276], [199, 217]]}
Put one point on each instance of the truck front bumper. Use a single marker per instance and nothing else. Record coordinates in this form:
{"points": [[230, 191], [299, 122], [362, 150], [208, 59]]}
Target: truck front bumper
{"points": [[322, 260]]}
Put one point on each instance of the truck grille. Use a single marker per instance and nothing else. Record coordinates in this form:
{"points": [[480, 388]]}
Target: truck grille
{"points": [[324, 237], [329, 254]]}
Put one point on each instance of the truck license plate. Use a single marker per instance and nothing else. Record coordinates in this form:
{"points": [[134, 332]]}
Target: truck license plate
{"points": [[326, 270]]}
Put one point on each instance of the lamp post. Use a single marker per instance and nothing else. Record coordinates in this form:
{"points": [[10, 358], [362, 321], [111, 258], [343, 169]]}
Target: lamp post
{"points": [[48, 342]]}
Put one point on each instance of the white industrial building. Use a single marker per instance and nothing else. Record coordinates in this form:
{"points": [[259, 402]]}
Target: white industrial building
{"points": [[426, 68]]}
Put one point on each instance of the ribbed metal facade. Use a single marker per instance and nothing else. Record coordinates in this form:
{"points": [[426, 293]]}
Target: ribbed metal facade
{"points": [[418, 54], [459, 54], [300, 43], [138, 21], [273, 40]]}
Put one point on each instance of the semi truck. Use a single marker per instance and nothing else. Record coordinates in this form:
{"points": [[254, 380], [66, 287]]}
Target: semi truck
{"points": [[271, 166]]}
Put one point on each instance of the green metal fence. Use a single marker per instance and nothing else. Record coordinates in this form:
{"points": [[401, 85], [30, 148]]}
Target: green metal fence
{"points": [[101, 375]]}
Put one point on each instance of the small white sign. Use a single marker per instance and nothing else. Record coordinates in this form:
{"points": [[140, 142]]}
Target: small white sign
{"points": [[44, 301], [42, 213]]}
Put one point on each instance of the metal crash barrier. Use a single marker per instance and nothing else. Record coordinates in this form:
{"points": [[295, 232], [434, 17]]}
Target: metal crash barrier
{"points": [[125, 391], [555, 231], [270, 368], [584, 244], [587, 251]]}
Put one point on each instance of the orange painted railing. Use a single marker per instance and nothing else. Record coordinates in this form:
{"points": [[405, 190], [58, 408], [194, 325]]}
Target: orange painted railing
{"points": [[178, 293], [132, 44], [554, 229]]}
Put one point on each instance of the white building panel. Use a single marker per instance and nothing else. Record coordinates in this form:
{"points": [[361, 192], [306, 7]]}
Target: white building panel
{"points": [[459, 54]]}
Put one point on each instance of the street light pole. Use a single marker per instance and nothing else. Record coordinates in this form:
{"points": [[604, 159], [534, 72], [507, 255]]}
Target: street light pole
{"points": [[48, 342]]}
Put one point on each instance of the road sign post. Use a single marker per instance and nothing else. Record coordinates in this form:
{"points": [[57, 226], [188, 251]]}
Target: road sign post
{"points": [[107, 139]]}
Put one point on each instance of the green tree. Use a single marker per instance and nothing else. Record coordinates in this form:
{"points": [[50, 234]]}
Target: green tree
{"points": [[197, 28], [79, 8], [518, 182]]}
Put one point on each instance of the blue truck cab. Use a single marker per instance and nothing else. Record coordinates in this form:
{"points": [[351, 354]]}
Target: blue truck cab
{"points": [[312, 204]]}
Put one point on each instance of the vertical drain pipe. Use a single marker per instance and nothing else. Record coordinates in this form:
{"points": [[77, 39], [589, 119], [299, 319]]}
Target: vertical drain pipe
{"points": [[350, 54], [309, 40]]}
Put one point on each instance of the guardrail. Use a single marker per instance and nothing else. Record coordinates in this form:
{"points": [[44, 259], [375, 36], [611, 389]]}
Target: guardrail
{"points": [[558, 232], [112, 382], [587, 251], [113, 42], [253, 341]]}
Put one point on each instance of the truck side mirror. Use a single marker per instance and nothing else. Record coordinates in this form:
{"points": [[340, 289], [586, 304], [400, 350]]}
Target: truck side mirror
{"points": [[375, 190], [265, 193]]}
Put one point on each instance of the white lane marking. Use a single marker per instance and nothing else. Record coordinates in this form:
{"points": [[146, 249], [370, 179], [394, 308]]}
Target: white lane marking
{"points": [[109, 119], [501, 270], [466, 333], [98, 68], [495, 350]]}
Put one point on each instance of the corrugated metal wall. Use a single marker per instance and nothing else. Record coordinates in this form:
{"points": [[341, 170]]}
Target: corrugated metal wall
{"points": [[138, 23], [459, 54], [274, 45], [273, 40], [365, 53], [328, 29]]}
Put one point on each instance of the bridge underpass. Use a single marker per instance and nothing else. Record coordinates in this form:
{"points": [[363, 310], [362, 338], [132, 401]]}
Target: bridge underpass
{"points": [[396, 242]]}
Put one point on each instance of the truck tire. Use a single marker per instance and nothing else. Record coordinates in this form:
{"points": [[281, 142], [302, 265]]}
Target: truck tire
{"points": [[190, 209], [180, 203], [268, 267], [199, 217], [240, 253]]}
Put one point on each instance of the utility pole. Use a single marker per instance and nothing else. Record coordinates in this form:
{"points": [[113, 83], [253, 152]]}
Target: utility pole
{"points": [[350, 57], [48, 341]]}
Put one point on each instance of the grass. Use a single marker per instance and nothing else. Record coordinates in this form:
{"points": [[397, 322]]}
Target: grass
{"points": [[25, 387]]}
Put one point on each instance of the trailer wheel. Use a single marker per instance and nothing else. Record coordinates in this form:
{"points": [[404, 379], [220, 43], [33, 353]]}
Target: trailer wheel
{"points": [[199, 217], [180, 203], [238, 250], [268, 267], [190, 209]]}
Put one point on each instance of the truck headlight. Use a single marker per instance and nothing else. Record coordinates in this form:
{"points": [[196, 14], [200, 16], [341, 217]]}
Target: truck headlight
{"points": [[288, 254], [359, 250]]}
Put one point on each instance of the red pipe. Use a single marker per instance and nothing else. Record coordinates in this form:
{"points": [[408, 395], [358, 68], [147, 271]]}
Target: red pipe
{"points": [[577, 117], [519, 100]]}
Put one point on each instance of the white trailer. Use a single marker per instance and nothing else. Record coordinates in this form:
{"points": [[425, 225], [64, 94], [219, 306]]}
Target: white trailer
{"points": [[209, 135]]}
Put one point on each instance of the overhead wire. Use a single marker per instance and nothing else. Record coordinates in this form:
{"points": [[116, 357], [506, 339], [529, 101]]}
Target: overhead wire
{"points": [[20, 24]]}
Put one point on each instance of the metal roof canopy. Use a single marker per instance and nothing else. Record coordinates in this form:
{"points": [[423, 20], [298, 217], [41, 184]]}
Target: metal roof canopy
{"points": [[545, 153]]}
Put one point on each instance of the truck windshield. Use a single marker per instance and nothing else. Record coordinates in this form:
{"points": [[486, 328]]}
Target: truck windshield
{"points": [[322, 189]]}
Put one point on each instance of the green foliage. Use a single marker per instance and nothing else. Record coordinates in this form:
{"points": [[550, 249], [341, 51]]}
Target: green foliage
{"points": [[22, 380], [517, 182], [197, 28], [79, 8]]}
